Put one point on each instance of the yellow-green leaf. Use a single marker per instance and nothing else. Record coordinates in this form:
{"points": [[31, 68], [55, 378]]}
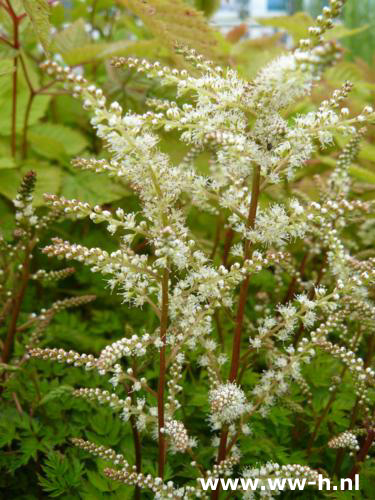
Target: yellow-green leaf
{"points": [[341, 31], [173, 21], [39, 13], [296, 25], [7, 162], [72, 37]]}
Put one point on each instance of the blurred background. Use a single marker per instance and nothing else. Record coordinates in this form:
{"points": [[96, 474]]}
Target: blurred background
{"points": [[227, 14]]}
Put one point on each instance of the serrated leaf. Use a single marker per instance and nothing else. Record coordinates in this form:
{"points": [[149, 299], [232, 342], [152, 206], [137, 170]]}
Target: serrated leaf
{"points": [[88, 186], [172, 21], [48, 179], [38, 110], [341, 31], [296, 25], [47, 147], [71, 141], [7, 162], [9, 182], [70, 38], [362, 174], [101, 483], [39, 13], [57, 393]]}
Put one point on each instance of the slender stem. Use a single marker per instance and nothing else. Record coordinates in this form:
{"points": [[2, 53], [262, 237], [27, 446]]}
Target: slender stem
{"points": [[323, 415], [363, 452], [229, 236], [217, 238], [245, 285], [137, 447], [9, 341], [6, 41], [15, 78], [236, 349], [26, 124], [341, 452], [311, 295], [162, 367], [292, 285]]}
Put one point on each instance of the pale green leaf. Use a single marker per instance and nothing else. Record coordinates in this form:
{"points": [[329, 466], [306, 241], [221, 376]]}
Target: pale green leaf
{"points": [[71, 141], [47, 147], [341, 31], [39, 13], [72, 37], [9, 182], [362, 174], [172, 21], [87, 186], [7, 162], [296, 25], [48, 179], [38, 109]]}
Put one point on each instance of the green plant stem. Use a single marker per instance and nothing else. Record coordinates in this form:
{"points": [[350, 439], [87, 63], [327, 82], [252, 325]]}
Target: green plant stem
{"points": [[236, 349], [162, 369]]}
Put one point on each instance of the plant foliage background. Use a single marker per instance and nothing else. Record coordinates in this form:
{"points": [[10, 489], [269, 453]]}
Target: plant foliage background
{"points": [[41, 129]]}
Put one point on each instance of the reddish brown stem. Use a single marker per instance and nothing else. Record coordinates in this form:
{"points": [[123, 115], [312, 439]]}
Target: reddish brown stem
{"points": [[245, 285], [137, 447], [293, 284], [229, 236], [217, 238], [236, 349], [17, 302], [161, 383], [363, 452], [16, 21]]}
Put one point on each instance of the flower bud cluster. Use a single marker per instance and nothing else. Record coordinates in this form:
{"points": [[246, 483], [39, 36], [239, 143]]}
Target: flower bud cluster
{"points": [[102, 397], [129, 271], [101, 451], [25, 212], [47, 277], [272, 470], [177, 435], [345, 440], [228, 403], [41, 321], [134, 346]]}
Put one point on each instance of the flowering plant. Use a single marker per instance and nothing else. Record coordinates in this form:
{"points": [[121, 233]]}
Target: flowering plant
{"points": [[251, 349]]}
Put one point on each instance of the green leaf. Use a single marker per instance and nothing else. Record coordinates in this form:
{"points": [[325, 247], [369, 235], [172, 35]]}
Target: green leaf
{"points": [[341, 31], [6, 67], [9, 182], [98, 481], [70, 38], [88, 186], [7, 162], [39, 13], [70, 140], [296, 25], [48, 179], [172, 21], [46, 146], [57, 393], [38, 110], [362, 174]]}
